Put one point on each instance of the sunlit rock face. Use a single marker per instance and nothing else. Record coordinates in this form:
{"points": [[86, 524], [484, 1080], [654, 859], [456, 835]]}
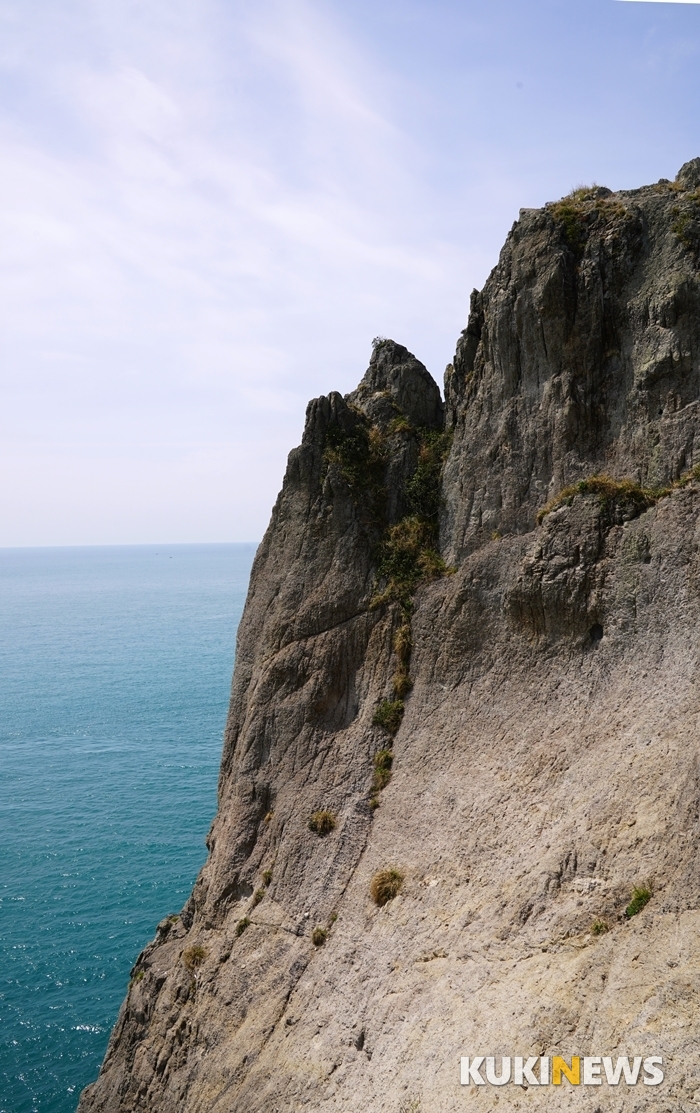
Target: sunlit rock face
{"points": [[460, 737]]}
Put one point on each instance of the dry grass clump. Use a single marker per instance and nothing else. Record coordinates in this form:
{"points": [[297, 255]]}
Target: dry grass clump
{"points": [[600, 927], [193, 957], [258, 895], [267, 876], [322, 823], [385, 885], [319, 936], [623, 492], [242, 925]]}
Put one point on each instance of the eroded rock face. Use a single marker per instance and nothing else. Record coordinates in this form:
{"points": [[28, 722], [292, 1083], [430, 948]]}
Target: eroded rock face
{"points": [[547, 761]]}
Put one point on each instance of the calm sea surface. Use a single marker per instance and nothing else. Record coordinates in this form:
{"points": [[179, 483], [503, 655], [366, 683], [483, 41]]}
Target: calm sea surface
{"points": [[115, 667]]}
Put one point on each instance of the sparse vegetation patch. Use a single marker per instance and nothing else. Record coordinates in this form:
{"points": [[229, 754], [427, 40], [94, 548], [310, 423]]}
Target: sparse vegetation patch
{"points": [[389, 715], [258, 895], [686, 221], [242, 925], [319, 936], [359, 453], [267, 877], [577, 213], [623, 493], [385, 885], [599, 927]]}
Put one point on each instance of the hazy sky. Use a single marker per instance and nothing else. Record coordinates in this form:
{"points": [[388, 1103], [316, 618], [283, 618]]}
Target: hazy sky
{"points": [[210, 207]]}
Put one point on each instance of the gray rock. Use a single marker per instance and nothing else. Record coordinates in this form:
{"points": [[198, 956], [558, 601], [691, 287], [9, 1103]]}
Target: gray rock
{"points": [[547, 761]]}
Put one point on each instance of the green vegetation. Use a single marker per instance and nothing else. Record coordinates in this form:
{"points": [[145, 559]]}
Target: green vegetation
{"points": [[423, 488], [389, 715], [242, 925], [382, 769], [385, 886], [382, 775], [258, 895], [193, 957], [319, 936], [624, 493], [322, 823], [686, 221], [359, 453], [599, 927], [267, 877], [406, 553], [408, 557], [641, 896], [138, 976]]}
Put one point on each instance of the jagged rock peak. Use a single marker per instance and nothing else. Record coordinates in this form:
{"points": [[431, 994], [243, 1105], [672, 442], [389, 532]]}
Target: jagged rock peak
{"points": [[396, 381], [689, 174]]}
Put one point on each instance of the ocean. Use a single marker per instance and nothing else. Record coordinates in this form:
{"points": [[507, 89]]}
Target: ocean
{"points": [[115, 669]]}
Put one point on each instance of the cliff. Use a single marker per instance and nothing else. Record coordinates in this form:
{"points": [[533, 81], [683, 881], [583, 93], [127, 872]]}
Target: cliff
{"points": [[467, 664]]}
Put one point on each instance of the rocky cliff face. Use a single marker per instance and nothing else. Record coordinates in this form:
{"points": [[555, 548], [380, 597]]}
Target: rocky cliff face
{"points": [[498, 716]]}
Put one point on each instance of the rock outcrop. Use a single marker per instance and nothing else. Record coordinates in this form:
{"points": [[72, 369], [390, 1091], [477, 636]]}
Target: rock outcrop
{"points": [[500, 711]]}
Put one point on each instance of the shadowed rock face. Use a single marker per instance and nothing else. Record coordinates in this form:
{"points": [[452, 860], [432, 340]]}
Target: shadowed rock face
{"points": [[547, 761]]}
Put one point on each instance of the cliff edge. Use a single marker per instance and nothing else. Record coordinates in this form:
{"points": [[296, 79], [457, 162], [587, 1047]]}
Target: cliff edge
{"points": [[459, 803]]}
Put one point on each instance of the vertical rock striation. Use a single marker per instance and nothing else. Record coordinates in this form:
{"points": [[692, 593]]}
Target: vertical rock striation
{"points": [[502, 711]]}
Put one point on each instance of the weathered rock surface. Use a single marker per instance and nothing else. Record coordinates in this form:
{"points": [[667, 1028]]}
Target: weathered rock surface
{"points": [[548, 759]]}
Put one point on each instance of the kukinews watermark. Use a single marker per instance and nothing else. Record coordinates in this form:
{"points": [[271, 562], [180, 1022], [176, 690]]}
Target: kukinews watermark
{"points": [[541, 1070]]}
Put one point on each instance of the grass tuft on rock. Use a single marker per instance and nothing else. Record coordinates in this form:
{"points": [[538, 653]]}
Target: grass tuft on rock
{"points": [[389, 715], [385, 885], [641, 896], [600, 927], [258, 895], [242, 926], [193, 957], [623, 493], [267, 877], [322, 823], [383, 761], [319, 936]]}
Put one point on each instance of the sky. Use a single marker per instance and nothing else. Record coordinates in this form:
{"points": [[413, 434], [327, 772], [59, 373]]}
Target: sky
{"points": [[210, 207]]}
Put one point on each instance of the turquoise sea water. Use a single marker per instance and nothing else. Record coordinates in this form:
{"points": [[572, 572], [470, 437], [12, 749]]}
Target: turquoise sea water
{"points": [[115, 668]]}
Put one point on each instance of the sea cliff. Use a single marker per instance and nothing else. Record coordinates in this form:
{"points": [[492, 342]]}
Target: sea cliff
{"points": [[463, 726]]}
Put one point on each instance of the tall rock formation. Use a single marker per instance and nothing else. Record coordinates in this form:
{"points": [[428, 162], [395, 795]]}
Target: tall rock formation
{"points": [[497, 715]]}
